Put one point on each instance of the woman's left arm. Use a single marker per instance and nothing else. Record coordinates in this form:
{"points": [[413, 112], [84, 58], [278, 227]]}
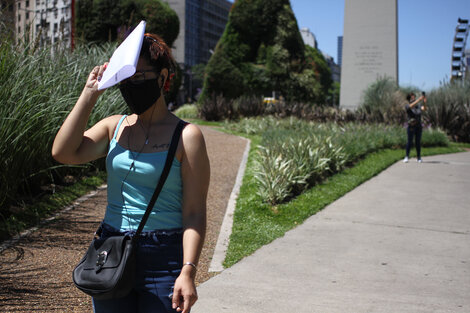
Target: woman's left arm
{"points": [[195, 173]]}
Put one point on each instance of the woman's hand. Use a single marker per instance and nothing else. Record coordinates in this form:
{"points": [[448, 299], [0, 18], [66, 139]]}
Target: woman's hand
{"points": [[94, 78], [184, 292]]}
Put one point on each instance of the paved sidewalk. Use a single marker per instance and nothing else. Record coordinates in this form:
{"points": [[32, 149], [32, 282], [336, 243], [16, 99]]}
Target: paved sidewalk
{"points": [[398, 243]]}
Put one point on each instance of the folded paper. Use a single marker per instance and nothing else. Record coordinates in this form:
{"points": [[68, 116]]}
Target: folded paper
{"points": [[124, 60]]}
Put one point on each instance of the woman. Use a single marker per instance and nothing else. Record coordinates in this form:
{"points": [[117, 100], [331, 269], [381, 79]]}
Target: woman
{"points": [[135, 148], [415, 129]]}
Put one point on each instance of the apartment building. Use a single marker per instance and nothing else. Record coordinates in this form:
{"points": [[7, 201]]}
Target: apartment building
{"points": [[202, 23], [47, 21]]}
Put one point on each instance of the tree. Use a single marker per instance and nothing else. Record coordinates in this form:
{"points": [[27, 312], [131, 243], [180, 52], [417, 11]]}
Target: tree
{"points": [[318, 64], [105, 20], [111, 20], [260, 51]]}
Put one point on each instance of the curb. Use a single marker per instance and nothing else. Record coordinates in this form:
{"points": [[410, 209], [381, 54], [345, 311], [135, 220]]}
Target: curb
{"points": [[226, 228]]}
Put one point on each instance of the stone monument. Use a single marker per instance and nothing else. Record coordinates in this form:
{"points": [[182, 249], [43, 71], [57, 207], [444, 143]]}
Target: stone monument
{"points": [[370, 47]]}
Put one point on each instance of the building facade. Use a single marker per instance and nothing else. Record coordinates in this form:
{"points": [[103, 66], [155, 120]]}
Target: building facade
{"points": [[25, 14], [467, 62], [308, 37], [53, 23], [335, 69], [339, 57], [47, 21], [202, 23]]}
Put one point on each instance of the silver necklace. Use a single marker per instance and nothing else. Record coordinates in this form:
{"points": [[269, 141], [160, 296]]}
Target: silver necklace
{"points": [[134, 159]]}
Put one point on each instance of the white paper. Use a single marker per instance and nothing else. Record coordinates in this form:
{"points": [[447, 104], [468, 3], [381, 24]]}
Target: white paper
{"points": [[124, 60]]}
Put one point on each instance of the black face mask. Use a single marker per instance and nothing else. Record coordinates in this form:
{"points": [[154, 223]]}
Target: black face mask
{"points": [[140, 97]]}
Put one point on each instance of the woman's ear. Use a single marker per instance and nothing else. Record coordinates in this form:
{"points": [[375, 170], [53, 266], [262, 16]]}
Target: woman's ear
{"points": [[163, 77]]}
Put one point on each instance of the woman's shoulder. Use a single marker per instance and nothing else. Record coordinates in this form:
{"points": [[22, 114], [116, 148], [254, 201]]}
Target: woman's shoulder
{"points": [[193, 138], [110, 123], [192, 132]]}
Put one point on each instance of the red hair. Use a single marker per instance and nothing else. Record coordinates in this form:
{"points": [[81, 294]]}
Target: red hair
{"points": [[158, 54]]}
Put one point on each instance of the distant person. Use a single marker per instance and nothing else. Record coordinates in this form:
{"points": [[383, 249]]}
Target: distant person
{"points": [[135, 147], [414, 109]]}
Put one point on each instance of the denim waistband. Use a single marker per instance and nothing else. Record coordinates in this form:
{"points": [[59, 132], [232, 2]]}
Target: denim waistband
{"points": [[111, 231]]}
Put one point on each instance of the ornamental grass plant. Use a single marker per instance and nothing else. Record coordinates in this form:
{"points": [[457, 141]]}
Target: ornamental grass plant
{"points": [[295, 155], [38, 88], [449, 109]]}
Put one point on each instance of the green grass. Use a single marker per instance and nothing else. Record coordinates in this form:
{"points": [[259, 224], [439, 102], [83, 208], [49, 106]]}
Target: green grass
{"points": [[257, 223]]}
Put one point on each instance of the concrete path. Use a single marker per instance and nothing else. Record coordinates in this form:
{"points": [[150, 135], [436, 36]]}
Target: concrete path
{"points": [[398, 243]]}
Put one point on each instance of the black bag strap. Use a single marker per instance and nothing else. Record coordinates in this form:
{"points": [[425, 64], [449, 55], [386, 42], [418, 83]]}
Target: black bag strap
{"points": [[166, 170]]}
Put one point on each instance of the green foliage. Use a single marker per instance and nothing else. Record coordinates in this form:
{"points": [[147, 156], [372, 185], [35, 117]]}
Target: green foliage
{"points": [[197, 79], [222, 77], [109, 20], [317, 63], [246, 106], [36, 93], [187, 111], [333, 94], [295, 154], [449, 109], [160, 18], [262, 51], [216, 108], [383, 102]]}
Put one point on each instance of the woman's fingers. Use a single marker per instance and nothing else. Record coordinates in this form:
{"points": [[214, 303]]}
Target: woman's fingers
{"points": [[183, 303], [176, 299], [186, 305], [95, 75], [101, 70]]}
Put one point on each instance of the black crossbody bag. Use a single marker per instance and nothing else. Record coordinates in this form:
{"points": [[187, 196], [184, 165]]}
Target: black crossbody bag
{"points": [[107, 271]]}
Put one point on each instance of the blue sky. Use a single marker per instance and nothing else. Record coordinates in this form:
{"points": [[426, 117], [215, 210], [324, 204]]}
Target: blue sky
{"points": [[426, 30]]}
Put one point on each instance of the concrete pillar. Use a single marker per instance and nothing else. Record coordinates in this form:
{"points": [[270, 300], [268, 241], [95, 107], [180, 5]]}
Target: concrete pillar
{"points": [[370, 47]]}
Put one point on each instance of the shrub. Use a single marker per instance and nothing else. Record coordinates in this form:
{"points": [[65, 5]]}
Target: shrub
{"points": [[248, 106], [187, 111], [383, 103], [449, 109], [216, 108]]}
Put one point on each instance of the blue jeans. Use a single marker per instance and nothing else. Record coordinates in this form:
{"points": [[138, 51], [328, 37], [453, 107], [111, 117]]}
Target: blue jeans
{"points": [[159, 257], [414, 132]]}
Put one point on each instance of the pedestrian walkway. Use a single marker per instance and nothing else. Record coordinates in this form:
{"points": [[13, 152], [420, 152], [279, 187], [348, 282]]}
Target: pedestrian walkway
{"points": [[398, 243]]}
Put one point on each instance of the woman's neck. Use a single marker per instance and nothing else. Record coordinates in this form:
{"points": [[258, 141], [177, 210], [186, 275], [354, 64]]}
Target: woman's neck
{"points": [[157, 113]]}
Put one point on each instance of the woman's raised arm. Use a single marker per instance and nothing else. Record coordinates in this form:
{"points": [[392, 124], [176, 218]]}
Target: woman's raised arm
{"points": [[74, 145]]}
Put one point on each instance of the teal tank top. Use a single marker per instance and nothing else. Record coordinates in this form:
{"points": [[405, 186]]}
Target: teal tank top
{"points": [[129, 196]]}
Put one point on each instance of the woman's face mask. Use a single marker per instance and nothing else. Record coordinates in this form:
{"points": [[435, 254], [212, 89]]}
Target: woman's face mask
{"points": [[140, 93]]}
